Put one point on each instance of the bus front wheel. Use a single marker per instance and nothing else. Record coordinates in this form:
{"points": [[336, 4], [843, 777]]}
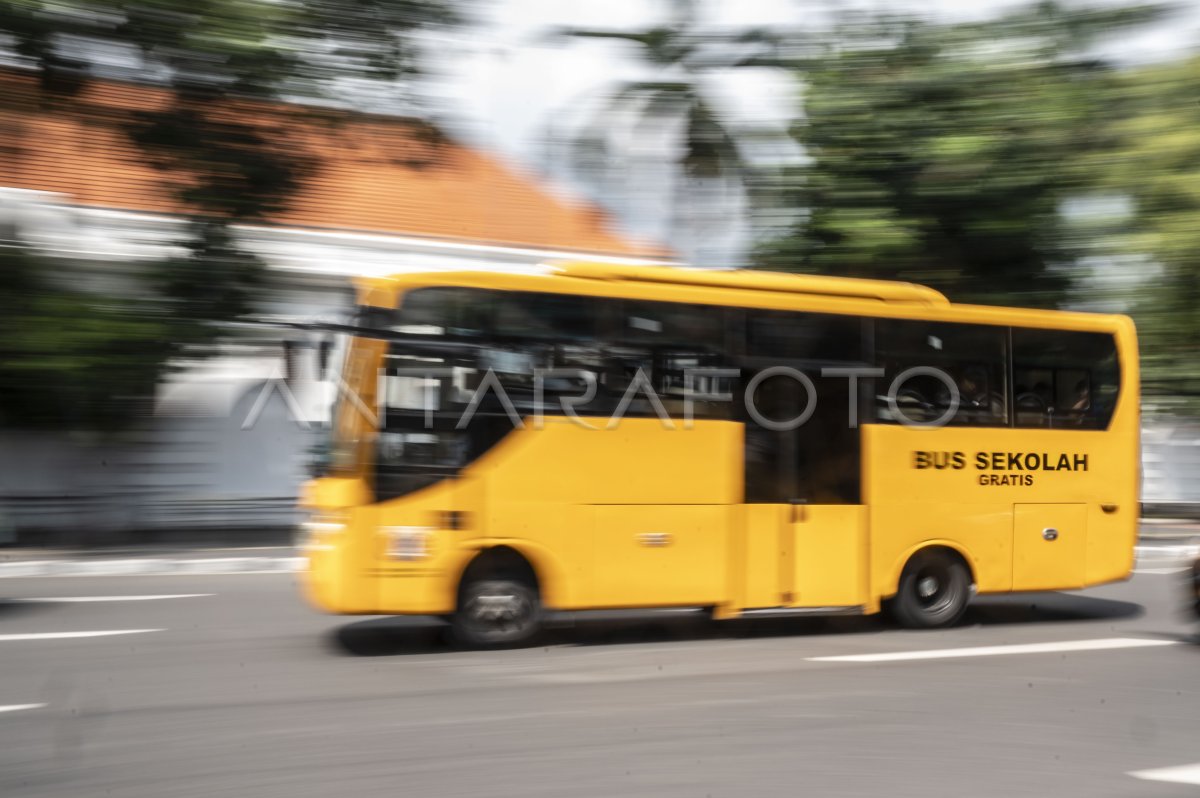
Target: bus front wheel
{"points": [[496, 612], [933, 592]]}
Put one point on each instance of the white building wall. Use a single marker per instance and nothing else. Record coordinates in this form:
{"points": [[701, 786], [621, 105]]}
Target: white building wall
{"points": [[191, 465]]}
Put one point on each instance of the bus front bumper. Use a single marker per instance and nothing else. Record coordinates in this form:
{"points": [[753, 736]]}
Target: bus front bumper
{"points": [[341, 580]]}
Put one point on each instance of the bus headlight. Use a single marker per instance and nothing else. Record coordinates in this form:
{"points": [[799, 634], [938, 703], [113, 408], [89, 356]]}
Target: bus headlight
{"points": [[408, 543], [315, 532]]}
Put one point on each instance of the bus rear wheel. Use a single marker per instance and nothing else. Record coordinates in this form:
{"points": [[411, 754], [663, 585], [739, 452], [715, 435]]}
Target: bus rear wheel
{"points": [[933, 592], [496, 613]]}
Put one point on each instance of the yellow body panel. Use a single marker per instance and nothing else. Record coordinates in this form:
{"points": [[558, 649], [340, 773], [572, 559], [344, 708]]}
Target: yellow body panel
{"points": [[802, 556], [578, 522], [660, 555], [764, 580], [1049, 546], [828, 564], [642, 515], [971, 509]]}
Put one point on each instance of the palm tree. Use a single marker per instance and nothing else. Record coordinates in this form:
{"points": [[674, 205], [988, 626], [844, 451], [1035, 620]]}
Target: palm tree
{"points": [[708, 170]]}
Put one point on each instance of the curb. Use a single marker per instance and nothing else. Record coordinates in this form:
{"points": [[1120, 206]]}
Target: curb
{"points": [[152, 567]]}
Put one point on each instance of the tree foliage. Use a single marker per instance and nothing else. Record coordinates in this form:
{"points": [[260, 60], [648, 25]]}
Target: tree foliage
{"points": [[942, 153], [1157, 120], [70, 357], [219, 157]]}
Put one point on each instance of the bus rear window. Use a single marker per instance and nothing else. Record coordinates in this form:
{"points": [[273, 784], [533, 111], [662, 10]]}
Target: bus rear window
{"points": [[1064, 380]]}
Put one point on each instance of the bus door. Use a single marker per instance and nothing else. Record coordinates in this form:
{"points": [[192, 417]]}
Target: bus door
{"points": [[804, 524]]}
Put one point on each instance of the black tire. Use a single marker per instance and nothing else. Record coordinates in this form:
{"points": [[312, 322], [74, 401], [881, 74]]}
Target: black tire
{"points": [[934, 590], [496, 612]]}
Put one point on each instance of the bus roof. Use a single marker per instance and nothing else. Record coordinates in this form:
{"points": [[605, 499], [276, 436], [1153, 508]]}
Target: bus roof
{"points": [[834, 294], [730, 279], [749, 280]]}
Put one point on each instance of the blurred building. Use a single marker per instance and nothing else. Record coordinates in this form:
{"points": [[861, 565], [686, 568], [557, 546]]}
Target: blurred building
{"points": [[1171, 467], [380, 200]]}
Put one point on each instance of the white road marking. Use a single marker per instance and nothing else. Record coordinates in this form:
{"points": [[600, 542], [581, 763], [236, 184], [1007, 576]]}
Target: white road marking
{"points": [[1102, 644], [1183, 774], [1161, 571], [66, 635], [19, 707], [152, 567], [91, 599]]}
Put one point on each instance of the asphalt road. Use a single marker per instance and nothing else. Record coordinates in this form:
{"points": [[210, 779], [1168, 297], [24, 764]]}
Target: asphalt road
{"points": [[245, 691]]}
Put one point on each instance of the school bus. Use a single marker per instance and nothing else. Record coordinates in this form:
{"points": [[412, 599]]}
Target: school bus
{"points": [[583, 436]]}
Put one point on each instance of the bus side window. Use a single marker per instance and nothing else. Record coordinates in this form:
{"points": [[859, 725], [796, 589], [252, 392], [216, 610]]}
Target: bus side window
{"points": [[557, 317], [443, 311], [964, 359], [1032, 396], [668, 342], [804, 337], [1064, 379], [1073, 391]]}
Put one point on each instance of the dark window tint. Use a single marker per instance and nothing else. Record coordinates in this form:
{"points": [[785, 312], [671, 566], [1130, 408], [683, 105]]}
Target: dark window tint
{"points": [[817, 461], [443, 311], [697, 327], [514, 334], [1064, 379], [504, 314], [970, 359], [560, 317], [373, 318], [676, 346], [788, 336]]}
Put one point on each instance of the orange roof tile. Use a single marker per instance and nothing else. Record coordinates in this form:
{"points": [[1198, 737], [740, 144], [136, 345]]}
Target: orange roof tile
{"points": [[373, 174]]}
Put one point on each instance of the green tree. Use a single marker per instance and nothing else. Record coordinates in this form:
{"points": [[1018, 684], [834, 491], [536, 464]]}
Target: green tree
{"points": [[215, 57], [70, 357], [942, 153], [1157, 120]]}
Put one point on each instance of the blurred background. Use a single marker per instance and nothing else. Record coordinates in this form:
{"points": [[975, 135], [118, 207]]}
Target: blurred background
{"points": [[188, 189]]}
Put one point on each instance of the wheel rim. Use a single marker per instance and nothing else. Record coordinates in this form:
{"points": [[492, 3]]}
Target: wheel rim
{"points": [[934, 587], [500, 612]]}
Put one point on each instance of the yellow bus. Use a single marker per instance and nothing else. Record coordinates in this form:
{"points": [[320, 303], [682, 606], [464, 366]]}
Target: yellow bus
{"points": [[584, 436]]}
